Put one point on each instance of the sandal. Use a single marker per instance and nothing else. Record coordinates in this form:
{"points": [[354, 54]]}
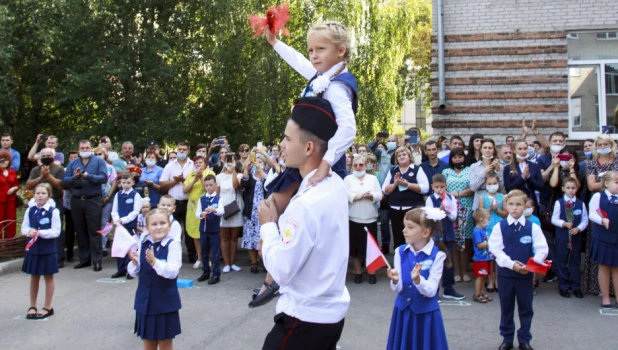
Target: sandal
{"points": [[30, 316], [490, 290], [479, 299], [487, 297], [254, 268], [50, 312]]}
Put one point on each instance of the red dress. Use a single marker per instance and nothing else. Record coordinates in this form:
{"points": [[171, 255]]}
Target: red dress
{"points": [[8, 210]]}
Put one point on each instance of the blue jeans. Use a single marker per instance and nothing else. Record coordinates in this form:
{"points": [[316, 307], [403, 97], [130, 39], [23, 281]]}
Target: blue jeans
{"points": [[385, 230]]}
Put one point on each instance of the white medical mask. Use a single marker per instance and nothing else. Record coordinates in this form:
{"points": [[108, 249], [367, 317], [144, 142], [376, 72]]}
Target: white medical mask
{"points": [[564, 164], [493, 188], [391, 145], [444, 147], [282, 162], [359, 173], [521, 157], [181, 155], [531, 152], [588, 154], [487, 157], [503, 162], [485, 224], [203, 154], [369, 166], [85, 154], [227, 167], [150, 162], [604, 151], [556, 148], [528, 212]]}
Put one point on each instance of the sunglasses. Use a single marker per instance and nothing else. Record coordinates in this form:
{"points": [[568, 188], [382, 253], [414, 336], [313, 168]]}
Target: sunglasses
{"points": [[244, 150], [98, 154], [359, 165]]}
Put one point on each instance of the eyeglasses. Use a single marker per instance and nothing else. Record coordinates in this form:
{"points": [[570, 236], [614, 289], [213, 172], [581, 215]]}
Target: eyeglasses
{"points": [[244, 150], [359, 165], [98, 154]]}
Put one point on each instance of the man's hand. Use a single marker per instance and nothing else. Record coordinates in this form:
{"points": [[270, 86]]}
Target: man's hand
{"points": [[44, 171], [520, 268], [179, 178], [77, 172], [534, 125], [267, 212], [38, 139], [524, 128]]}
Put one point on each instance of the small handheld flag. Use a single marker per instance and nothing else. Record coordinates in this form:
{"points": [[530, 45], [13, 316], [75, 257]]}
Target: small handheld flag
{"points": [[106, 229], [32, 240], [123, 242], [374, 259]]}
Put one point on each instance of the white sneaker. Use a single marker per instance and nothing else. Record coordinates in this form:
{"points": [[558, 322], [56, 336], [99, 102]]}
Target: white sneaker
{"points": [[226, 269], [197, 265], [236, 268]]}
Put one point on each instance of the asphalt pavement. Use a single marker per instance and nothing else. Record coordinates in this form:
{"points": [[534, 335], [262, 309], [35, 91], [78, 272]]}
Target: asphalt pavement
{"points": [[93, 311]]}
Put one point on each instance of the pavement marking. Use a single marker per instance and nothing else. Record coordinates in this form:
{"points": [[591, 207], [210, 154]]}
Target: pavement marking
{"points": [[455, 303], [111, 280], [23, 318], [608, 312]]}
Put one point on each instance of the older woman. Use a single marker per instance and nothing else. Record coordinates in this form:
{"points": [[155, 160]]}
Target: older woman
{"points": [[151, 174], [253, 181], [228, 183], [489, 163], [193, 186], [108, 190], [458, 185], [363, 194], [604, 159], [404, 185], [8, 198]]}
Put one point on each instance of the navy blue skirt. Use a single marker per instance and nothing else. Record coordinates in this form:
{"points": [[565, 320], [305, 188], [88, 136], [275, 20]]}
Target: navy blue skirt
{"points": [[412, 331], [292, 175], [35, 264], [157, 327], [604, 253]]}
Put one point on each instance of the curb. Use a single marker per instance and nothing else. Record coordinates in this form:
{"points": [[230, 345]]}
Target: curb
{"points": [[11, 266]]}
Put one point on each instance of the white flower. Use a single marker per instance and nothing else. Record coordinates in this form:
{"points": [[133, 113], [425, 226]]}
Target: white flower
{"points": [[434, 214], [320, 84]]}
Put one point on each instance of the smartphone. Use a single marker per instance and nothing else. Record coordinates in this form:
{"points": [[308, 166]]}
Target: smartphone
{"points": [[252, 156], [413, 136], [229, 158], [608, 129], [382, 134], [565, 157]]}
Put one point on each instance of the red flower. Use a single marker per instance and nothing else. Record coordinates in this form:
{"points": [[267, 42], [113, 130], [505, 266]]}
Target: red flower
{"points": [[276, 18], [569, 205]]}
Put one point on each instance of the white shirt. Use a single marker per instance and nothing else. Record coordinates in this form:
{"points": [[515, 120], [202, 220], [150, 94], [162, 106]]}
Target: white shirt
{"points": [[111, 155], [421, 180], [167, 269], [51, 202], [429, 204], [174, 169], [137, 207], [427, 287], [594, 206], [307, 252], [272, 174], [199, 209], [337, 93], [52, 232], [363, 211], [496, 245], [555, 217]]}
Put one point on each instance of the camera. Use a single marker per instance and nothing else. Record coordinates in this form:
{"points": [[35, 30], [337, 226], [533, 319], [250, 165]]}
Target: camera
{"points": [[44, 137], [383, 134]]}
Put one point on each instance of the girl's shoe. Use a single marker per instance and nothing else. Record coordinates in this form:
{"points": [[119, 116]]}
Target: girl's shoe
{"points": [[487, 297], [606, 306], [197, 265], [479, 299], [457, 278], [30, 316], [254, 268], [226, 269], [467, 278], [236, 268], [50, 312]]}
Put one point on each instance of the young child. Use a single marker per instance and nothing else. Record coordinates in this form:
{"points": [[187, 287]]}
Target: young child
{"points": [[209, 211], [511, 243], [570, 218], [529, 212], [329, 48], [41, 222], [127, 206], [141, 218], [157, 301], [417, 323], [438, 185], [168, 203], [492, 201], [482, 259], [604, 244]]}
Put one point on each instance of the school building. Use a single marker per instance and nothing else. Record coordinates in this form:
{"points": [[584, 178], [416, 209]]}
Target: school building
{"points": [[506, 60]]}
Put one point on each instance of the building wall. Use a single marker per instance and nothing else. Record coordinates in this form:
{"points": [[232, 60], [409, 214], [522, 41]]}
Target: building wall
{"points": [[506, 60]]}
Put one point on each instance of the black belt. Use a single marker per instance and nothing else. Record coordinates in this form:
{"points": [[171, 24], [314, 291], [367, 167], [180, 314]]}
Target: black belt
{"points": [[87, 197], [183, 201]]}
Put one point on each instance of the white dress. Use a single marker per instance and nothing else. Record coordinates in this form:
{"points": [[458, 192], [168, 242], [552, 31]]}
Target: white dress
{"points": [[229, 194]]}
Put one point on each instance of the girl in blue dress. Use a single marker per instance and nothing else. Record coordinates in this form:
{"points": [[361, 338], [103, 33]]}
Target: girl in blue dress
{"points": [[42, 225], [157, 301], [417, 323], [492, 202]]}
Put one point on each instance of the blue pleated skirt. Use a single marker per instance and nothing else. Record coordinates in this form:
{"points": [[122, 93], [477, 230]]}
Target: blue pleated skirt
{"points": [[292, 175], [412, 331], [35, 264], [604, 253], [157, 327]]}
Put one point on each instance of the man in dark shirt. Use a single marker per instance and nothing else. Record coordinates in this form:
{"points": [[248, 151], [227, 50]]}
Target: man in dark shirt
{"points": [[84, 177], [433, 165]]}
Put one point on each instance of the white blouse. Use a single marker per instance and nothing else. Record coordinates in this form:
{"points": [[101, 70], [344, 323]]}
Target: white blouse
{"points": [[363, 211]]}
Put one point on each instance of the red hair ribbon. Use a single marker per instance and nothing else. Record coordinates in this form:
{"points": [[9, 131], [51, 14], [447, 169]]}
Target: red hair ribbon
{"points": [[276, 18]]}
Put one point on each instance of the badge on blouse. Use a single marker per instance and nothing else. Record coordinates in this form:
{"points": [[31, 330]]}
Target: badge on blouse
{"points": [[44, 221], [525, 239], [289, 230], [215, 206], [577, 212], [129, 201], [426, 264]]}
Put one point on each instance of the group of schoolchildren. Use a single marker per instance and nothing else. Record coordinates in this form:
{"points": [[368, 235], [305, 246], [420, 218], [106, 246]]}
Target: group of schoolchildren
{"points": [[504, 233]]}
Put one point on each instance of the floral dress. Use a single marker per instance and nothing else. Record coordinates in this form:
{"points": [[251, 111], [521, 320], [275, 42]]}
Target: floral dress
{"points": [[456, 183], [251, 229]]}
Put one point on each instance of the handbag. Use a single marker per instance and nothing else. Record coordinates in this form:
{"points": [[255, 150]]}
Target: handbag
{"points": [[546, 215], [230, 209]]}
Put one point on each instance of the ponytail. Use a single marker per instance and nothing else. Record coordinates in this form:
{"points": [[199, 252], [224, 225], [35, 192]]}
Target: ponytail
{"points": [[447, 262]]}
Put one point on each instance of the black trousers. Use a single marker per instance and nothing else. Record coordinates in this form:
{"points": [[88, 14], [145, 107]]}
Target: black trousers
{"points": [[180, 214], [87, 220], [292, 333], [69, 230], [60, 241], [397, 225]]}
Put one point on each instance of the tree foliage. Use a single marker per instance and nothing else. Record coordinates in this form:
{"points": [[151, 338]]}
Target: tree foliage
{"points": [[189, 70]]}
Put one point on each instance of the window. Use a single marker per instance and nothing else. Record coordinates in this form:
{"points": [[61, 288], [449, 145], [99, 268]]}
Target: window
{"points": [[607, 36], [576, 111], [572, 36]]}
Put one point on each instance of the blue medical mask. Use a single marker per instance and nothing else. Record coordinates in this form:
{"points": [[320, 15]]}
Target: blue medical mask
{"points": [[588, 155], [181, 155], [531, 152], [604, 151], [391, 145]]}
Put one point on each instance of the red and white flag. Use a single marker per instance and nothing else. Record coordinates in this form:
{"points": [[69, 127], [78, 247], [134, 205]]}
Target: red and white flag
{"points": [[106, 229], [374, 258], [32, 240], [449, 205]]}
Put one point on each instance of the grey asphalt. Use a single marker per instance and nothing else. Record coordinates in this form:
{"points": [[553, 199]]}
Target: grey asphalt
{"points": [[92, 314]]}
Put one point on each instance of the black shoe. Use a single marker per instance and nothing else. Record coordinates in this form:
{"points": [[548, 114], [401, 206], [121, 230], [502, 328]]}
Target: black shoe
{"points": [[564, 293], [50, 312], [358, 278], [117, 274], [70, 259], [505, 346], [385, 249], [578, 294], [453, 295], [129, 277], [372, 279], [97, 267], [104, 252], [550, 277], [525, 346], [82, 264], [192, 259], [271, 291], [60, 264], [214, 280], [204, 277]]}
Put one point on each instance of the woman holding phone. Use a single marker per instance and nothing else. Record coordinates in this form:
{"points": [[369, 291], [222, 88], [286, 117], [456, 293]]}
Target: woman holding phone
{"points": [[228, 184]]}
